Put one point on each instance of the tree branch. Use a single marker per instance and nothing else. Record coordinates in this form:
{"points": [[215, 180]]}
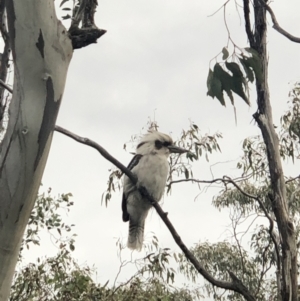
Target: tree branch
{"points": [[276, 25], [236, 285], [7, 87], [82, 37], [88, 33], [100, 149], [248, 23], [228, 180], [217, 180], [292, 179]]}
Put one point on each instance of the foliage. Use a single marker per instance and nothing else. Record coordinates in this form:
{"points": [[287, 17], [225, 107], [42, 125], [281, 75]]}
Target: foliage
{"points": [[61, 278], [248, 201], [46, 214], [55, 278], [290, 126], [220, 259], [228, 76]]}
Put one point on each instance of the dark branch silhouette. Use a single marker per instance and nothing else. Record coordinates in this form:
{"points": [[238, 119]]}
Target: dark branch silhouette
{"points": [[248, 23], [276, 25], [88, 33]]}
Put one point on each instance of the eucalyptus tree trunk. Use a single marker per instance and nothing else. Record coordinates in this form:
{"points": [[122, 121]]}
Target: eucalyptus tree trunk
{"points": [[41, 50], [287, 264]]}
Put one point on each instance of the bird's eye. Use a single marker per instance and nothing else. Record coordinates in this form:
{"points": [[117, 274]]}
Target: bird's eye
{"points": [[158, 144]]}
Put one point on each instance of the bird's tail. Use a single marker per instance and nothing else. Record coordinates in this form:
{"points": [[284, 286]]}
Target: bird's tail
{"points": [[136, 235]]}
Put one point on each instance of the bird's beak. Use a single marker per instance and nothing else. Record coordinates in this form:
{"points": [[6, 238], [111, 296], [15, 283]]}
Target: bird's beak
{"points": [[176, 149]]}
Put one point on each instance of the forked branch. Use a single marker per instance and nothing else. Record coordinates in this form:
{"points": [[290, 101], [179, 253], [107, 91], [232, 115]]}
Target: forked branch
{"points": [[276, 25]]}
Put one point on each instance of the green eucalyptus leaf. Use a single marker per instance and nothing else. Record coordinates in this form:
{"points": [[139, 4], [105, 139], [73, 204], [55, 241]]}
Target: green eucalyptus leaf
{"points": [[225, 53], [209, 79], [215, 87], [234, 68], [247, 67], [238, 88], [256, 66], [255, 63], [226, 80]]}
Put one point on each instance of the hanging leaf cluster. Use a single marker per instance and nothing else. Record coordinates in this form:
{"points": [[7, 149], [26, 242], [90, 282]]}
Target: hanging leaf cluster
{"points": [[232, 79]]}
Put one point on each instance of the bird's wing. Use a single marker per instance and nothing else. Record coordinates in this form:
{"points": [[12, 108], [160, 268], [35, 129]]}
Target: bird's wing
{"points": [[135, 160]]}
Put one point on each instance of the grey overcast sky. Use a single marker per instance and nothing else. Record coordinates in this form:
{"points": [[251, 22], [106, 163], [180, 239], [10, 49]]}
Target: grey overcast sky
{"points": [[154, 60]]}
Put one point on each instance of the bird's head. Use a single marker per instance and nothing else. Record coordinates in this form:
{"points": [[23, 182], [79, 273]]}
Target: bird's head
{"points": [[158, 143]]}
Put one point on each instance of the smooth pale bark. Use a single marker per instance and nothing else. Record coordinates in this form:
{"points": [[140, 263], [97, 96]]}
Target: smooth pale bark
{"points": [[42, 52]]}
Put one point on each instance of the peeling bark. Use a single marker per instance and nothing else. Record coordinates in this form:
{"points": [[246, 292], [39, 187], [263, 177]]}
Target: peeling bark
{"points": [[42, 51]]}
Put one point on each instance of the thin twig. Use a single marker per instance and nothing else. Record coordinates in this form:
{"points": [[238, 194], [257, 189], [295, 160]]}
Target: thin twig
{"points": [[217, 180], [248, 228], [263, 271], [234, 226], [292, 179], [218, 9], [271, 228]]}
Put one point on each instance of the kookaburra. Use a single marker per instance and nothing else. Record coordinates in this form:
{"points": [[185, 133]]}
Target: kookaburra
{"points": [[150, 165]]}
